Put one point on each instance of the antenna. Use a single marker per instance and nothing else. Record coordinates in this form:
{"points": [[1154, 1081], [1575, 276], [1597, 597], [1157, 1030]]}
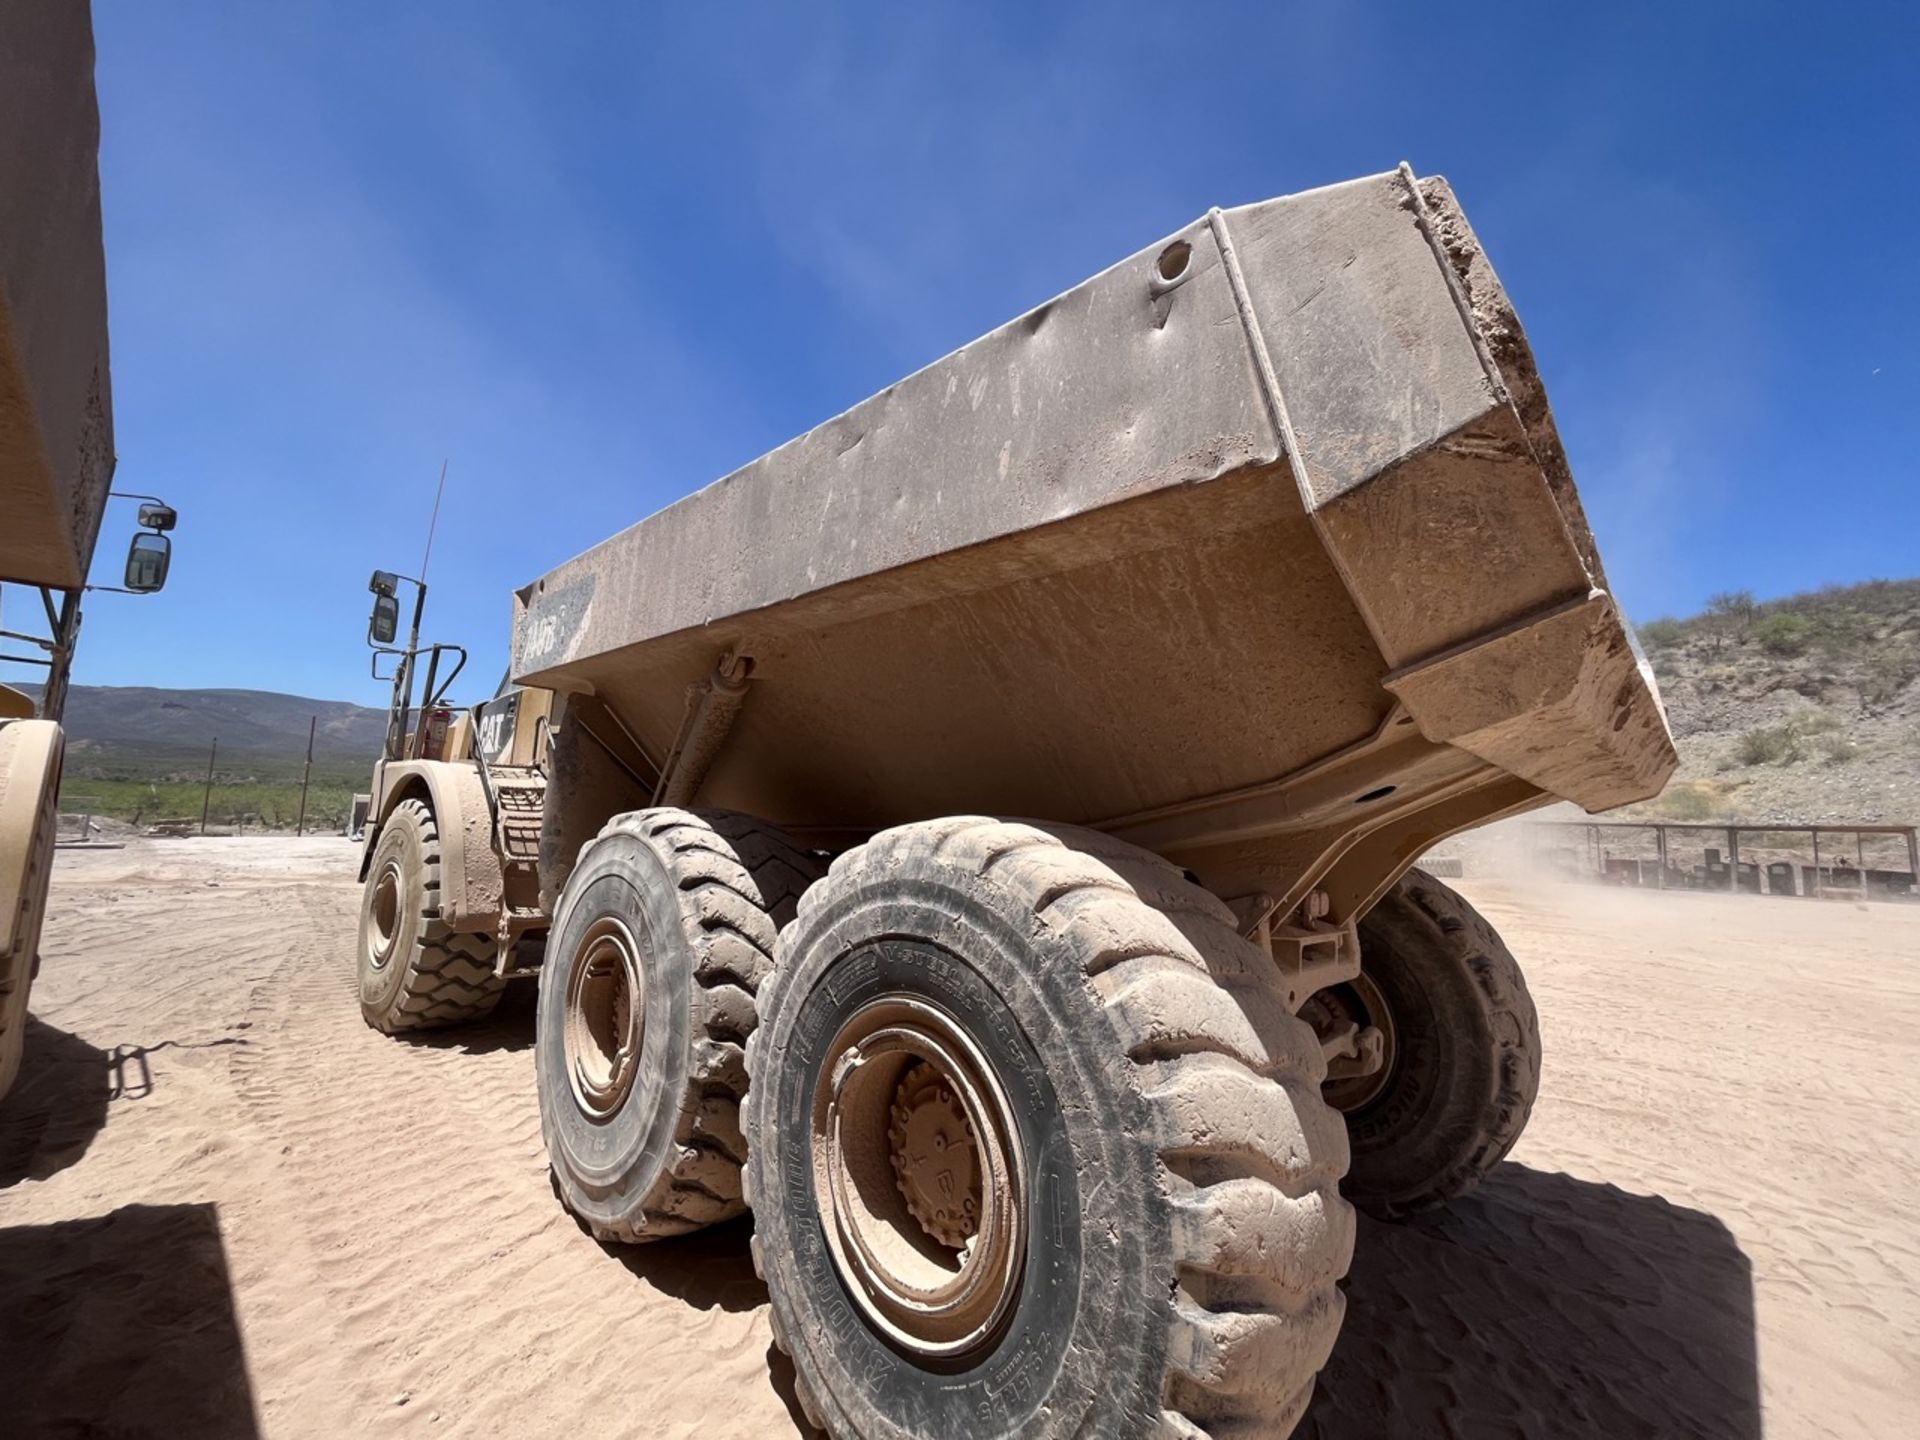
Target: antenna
{"points": [[434, 523]]}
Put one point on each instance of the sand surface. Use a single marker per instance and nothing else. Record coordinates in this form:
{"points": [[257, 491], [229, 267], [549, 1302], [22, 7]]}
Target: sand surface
{"points": [[228, 1208]]}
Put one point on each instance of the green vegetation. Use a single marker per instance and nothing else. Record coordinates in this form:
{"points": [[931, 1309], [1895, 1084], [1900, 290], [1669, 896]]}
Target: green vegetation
{"points": [[1889, 670], [1837, 622], [1661, 634], [1690, 800], [1784, 634], [1768, 745], [1814, 721], [1728, 614], [1836, 749], [1811, 731], [237, 800]]}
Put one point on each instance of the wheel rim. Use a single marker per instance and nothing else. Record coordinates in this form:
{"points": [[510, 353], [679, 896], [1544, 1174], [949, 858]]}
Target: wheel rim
{"points": [[383, 914], [919, 1178], [605, 1017], [1359, 1002]]}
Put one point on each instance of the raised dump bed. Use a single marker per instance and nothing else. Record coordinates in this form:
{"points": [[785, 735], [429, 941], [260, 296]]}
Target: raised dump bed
{"points": [[1258, 546]]}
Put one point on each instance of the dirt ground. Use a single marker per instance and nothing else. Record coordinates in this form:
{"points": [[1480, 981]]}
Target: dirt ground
{"points": [[228, 1208]]}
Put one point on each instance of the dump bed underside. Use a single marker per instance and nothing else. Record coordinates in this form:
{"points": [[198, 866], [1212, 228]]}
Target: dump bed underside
{"points": [[1267, 511], [56, 430]]}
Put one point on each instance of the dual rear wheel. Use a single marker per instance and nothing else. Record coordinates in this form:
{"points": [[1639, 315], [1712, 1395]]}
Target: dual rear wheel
{"points": [[1034, 1146], [1460, 1043]]}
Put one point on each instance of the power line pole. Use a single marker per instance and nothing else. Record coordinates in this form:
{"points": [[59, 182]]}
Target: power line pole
{"points": [[300, 825], [206, 796]]}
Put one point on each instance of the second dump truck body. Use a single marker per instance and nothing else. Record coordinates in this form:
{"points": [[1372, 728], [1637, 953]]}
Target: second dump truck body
{"points": [[56, 404]]}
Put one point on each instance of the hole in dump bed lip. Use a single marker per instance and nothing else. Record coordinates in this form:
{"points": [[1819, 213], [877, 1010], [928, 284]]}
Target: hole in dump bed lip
{"points": [[1173, 261], [1379, 794]]}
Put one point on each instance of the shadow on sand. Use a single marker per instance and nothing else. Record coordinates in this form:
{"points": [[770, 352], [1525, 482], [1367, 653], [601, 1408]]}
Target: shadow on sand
{"points": [[1539, 1308], [711, 1269], [122, 1325], [57, 1105], [509, 1027], [1544, 1306]]}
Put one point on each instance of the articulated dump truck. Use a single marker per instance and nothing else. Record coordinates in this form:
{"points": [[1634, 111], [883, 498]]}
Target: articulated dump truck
{"points": [[56, 447], [976, 836]]}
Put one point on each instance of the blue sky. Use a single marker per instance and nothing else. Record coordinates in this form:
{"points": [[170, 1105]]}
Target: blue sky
{"points": [[599, 254]]}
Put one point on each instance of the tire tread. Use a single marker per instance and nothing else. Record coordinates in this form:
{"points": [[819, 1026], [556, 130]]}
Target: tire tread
{"points": [[735, 877], [450, 977], [1251, 1157]]}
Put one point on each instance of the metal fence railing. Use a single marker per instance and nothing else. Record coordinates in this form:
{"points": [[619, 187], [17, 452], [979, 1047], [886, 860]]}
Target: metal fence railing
{"points": [[1837, 861]]}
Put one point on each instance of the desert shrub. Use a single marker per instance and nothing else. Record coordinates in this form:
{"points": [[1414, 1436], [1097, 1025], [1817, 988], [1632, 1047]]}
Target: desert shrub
{"points": [[1835, 749], [1814, 721], [1736, 607], [1784, 634], [1688, 801], [1889, 670], [1716, 678], [1768, 745], [1662, 634], [1727, 614]]}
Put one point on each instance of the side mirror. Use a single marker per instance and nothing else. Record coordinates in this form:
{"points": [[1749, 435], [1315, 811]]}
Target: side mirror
{"points": [[158, 518], [385, 623], [147, 560]]}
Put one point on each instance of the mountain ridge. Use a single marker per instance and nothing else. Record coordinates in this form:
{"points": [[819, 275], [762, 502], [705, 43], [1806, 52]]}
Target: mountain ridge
{"points": [[154, 722]]}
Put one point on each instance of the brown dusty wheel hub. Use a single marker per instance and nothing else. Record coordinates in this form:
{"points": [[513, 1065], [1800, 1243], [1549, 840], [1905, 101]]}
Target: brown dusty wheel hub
{"points": [[1355, 1026], [935, 1160], [385, 915], [606, 1017], [919, 1178]]}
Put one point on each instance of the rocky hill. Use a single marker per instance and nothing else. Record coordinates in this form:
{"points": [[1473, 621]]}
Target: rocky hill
{"points": [[1800, 709]]}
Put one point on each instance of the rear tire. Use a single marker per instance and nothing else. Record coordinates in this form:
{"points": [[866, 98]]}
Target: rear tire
{"points": [[415, 973], [663, 935], [1464, 1061], [30, 756], [1153, 1176]]}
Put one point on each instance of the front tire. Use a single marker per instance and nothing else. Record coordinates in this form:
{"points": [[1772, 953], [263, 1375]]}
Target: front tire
{"points": [[1463, 1052], [1036, 1149], [415, 973], [663, 936]]}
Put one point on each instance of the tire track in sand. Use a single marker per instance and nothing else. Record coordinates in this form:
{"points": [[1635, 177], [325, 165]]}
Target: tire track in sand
{"points": [[453, 1291]]}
